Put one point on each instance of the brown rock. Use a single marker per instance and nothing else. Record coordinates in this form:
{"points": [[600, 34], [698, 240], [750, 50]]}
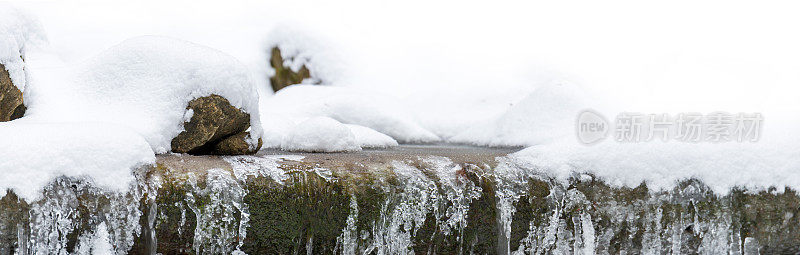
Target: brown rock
{"points": [[285, 76], [11, 106], [213, 120], [236, 145]]}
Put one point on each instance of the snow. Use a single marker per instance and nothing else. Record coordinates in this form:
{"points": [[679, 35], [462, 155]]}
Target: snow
{"points": [[516, 77], [380, 113], [18, 31], [320, 134], [35, 153], [145, 84], [546, 114], [106, 116], [770, 162], [369, 138]]}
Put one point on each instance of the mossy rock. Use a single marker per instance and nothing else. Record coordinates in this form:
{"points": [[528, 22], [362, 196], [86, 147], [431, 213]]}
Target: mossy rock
{"points": [[307, 211]]}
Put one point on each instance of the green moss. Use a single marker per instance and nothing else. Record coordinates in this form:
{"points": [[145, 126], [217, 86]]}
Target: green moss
{"points": [[480, 235], [285, 217], [175, 222]]}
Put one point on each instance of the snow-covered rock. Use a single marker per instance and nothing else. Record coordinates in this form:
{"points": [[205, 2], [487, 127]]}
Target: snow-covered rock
{"points": [[19, 31], [146, 84], [11, 105], [102, 118], [285, 75], [299, 55], [320, 134]]}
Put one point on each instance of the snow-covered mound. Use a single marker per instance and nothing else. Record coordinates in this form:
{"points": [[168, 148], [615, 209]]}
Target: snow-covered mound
{"points": [[320, 134], [144, 84], [18, 32], [113, 113], [770, 162], [369, 138], [379, 113], [544, 115], [33, 154]]}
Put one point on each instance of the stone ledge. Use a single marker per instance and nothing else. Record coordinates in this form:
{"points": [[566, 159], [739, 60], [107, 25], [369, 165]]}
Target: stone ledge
{"points": [[428, 199]]}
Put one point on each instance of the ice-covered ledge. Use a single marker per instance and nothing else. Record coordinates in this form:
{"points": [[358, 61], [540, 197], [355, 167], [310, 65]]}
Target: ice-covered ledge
{"points": [[438, 199]]}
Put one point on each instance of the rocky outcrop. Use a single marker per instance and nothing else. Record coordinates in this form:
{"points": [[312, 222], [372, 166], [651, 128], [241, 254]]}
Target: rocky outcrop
{"points": [[216, 127], [11, 106], [284, 75]]}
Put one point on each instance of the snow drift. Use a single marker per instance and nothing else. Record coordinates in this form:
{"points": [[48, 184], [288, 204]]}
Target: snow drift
{"points": [[36, 153], [113, 113], [378, 113], [145, 84]]}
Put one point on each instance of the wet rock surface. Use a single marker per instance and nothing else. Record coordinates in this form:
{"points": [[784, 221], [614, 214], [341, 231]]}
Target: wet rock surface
{"points": [[11, 106], [215, 127], [420, 199]]}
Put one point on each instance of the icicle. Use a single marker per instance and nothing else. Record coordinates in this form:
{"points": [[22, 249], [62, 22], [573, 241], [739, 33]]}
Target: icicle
{"points": [[218, 230], [347, 241], [587, 234]]}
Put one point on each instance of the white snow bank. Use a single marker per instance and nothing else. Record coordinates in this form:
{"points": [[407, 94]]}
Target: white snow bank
{"points": [[771, 162], [33, 154], [369, 138], [144, 84], [320, 134], [380, 113], [18, 32], [546, 114]]}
